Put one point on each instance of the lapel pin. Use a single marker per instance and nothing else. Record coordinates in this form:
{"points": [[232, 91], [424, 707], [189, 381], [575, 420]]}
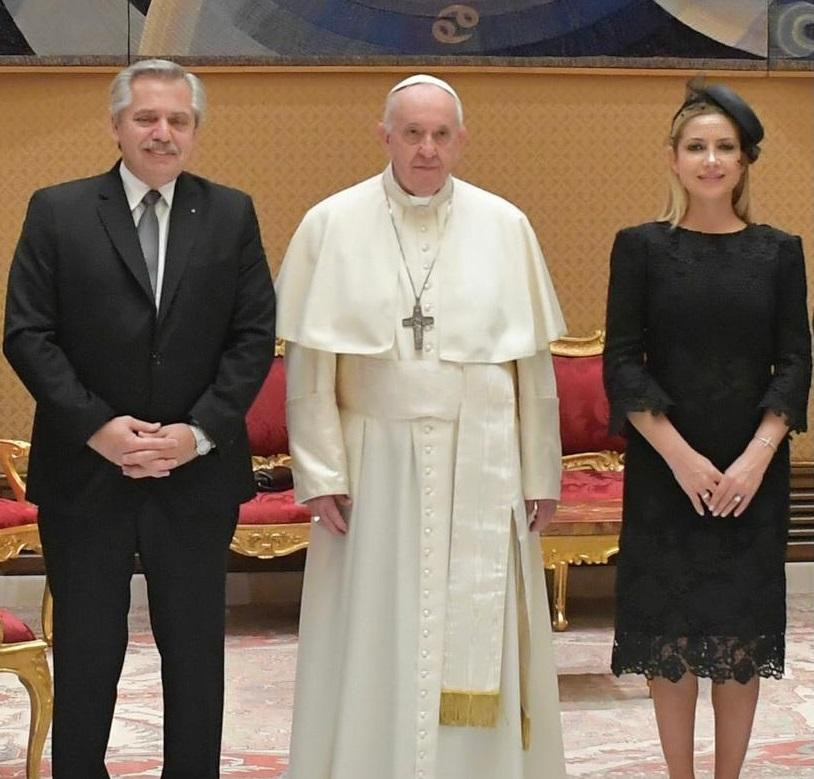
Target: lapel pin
{"points": [[192, 211]]}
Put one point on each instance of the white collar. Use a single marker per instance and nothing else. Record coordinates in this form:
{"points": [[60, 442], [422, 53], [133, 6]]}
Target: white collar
{"points": [[135, 189], [405, 199]]}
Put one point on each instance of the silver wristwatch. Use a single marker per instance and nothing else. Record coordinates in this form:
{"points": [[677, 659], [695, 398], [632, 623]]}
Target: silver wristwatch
{"points": [[203, 444]]}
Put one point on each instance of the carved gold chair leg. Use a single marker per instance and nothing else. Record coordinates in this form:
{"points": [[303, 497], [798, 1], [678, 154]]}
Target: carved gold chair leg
{"points": [[28, 662], [560, 623], [47, 615]]}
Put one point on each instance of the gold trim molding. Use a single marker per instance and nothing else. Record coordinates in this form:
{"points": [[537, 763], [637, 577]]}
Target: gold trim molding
{"points": [[579, 346], [576, 550], [606, 460], [268, 541], [14, 540]]}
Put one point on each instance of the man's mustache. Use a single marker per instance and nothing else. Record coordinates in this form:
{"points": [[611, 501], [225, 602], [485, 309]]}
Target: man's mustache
{"points": [[161, 147]]}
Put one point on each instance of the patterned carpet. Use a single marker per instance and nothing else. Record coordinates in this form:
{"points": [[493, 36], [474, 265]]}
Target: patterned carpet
{"points": [[608, 722]]}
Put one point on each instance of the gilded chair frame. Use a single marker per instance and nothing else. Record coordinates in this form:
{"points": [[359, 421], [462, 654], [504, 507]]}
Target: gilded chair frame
{"points": [[26, 659], [588, 543], [268, 541]]}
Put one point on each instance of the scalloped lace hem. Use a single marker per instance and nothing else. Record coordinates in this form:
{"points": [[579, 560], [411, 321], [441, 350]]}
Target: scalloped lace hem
{"points": [[719, 658]]}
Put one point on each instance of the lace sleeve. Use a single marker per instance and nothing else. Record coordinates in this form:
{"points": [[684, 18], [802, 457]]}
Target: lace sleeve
{"points": [[787, 393], [628, 384]]}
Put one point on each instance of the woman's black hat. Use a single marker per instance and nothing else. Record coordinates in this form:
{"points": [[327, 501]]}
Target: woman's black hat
{"points": [[734, 106]]}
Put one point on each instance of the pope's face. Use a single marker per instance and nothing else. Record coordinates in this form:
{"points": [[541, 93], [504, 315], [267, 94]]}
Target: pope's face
{"points": [[423, 138], [156, 132]]}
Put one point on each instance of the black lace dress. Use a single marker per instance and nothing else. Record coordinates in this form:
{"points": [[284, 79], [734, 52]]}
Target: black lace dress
{"points": [[711, 330]]}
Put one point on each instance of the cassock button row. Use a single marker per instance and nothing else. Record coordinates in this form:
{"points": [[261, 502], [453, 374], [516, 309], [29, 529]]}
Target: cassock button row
{"points": [[426, 572], [422, 715], [428, 348], [427, 449], [426, 612], [424, 673], [428, 285], [428, 470], [423, 228], [427, 551], [425, 247], [423, 693], [428, 428], [422, 755], [424, 653], [429, 308], [427, 530], [426, 266], [426, 634], [422, 734], [426, 593]]}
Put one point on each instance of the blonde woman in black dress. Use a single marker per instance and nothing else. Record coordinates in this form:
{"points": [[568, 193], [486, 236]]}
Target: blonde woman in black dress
{"points": [[707, 368]]}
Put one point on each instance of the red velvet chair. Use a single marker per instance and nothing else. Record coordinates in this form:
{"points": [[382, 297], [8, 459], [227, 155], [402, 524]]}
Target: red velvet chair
{"points": [[586, 526], [18, 518], [18, 521], [271, 524], [24, 655]]}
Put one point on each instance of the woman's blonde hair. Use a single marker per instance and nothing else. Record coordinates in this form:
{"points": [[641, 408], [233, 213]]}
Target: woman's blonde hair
{"points": [[677, 200]]}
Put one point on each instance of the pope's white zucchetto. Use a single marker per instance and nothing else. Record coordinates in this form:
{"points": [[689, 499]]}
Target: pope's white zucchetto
{"points": [[423, 78]]}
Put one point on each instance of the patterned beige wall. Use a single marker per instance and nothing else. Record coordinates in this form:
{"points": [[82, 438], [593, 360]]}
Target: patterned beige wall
{"points": [[581, 153]]}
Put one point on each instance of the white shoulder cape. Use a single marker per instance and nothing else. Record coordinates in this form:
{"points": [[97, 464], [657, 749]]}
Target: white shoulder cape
{"points": [[338, 286]]}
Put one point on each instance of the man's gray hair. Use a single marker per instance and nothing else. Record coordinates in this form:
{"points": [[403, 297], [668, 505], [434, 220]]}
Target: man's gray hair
{"points": [[121, 93], [410, 81]]}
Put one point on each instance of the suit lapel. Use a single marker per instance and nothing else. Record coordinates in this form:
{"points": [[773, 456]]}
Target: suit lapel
{"points": [[184, 224], [118, 222]]}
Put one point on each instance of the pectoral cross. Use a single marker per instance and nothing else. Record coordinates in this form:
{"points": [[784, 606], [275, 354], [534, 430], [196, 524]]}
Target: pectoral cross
{"points": [[418, 322]]}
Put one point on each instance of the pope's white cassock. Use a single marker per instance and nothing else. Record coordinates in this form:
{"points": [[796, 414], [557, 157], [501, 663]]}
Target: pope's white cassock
{"points": [[425, 643]]}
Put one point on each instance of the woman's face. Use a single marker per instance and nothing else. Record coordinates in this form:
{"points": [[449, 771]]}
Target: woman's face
{"points": [[708, 159]]}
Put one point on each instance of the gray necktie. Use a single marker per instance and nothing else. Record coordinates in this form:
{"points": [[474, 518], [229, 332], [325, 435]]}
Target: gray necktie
{"points": [[148, 235]]}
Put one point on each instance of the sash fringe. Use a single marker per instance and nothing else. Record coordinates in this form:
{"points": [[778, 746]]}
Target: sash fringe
{"points": [[473, 709]]}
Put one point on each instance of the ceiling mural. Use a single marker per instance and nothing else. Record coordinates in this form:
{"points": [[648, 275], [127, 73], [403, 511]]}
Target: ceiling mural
{"points": [[748, 33]]}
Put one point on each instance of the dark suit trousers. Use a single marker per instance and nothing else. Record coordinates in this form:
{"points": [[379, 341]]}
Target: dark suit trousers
{"points": [[89, 561]]}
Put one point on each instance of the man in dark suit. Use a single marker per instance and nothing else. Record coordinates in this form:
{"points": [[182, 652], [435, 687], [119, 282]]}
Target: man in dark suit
{"points": [[140, 316]]}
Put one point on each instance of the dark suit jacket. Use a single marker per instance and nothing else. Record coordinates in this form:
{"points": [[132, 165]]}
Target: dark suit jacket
{"points": [[83, 333]]}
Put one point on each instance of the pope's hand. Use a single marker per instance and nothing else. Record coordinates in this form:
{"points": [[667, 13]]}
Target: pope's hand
{"points": [[326, 510], [540, 512]]}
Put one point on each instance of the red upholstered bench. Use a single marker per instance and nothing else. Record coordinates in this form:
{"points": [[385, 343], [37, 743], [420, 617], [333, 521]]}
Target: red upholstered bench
{"points": [[271, 524], [586, 526], [22, 654]]}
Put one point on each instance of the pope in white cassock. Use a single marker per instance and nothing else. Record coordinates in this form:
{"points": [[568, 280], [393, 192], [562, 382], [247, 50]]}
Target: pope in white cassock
{"points": [[422, 412]]}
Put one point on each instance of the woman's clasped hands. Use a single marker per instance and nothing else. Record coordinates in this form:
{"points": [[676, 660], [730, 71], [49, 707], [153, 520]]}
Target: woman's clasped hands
{"points": [[722, 494]]}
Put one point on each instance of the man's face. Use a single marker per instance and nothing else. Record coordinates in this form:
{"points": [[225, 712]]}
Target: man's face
{"points": [[156, 132], [424, 139]]}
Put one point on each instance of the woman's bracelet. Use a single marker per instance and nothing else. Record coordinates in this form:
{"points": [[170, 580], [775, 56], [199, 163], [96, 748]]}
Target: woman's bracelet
{"points": [[766, 441]]}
